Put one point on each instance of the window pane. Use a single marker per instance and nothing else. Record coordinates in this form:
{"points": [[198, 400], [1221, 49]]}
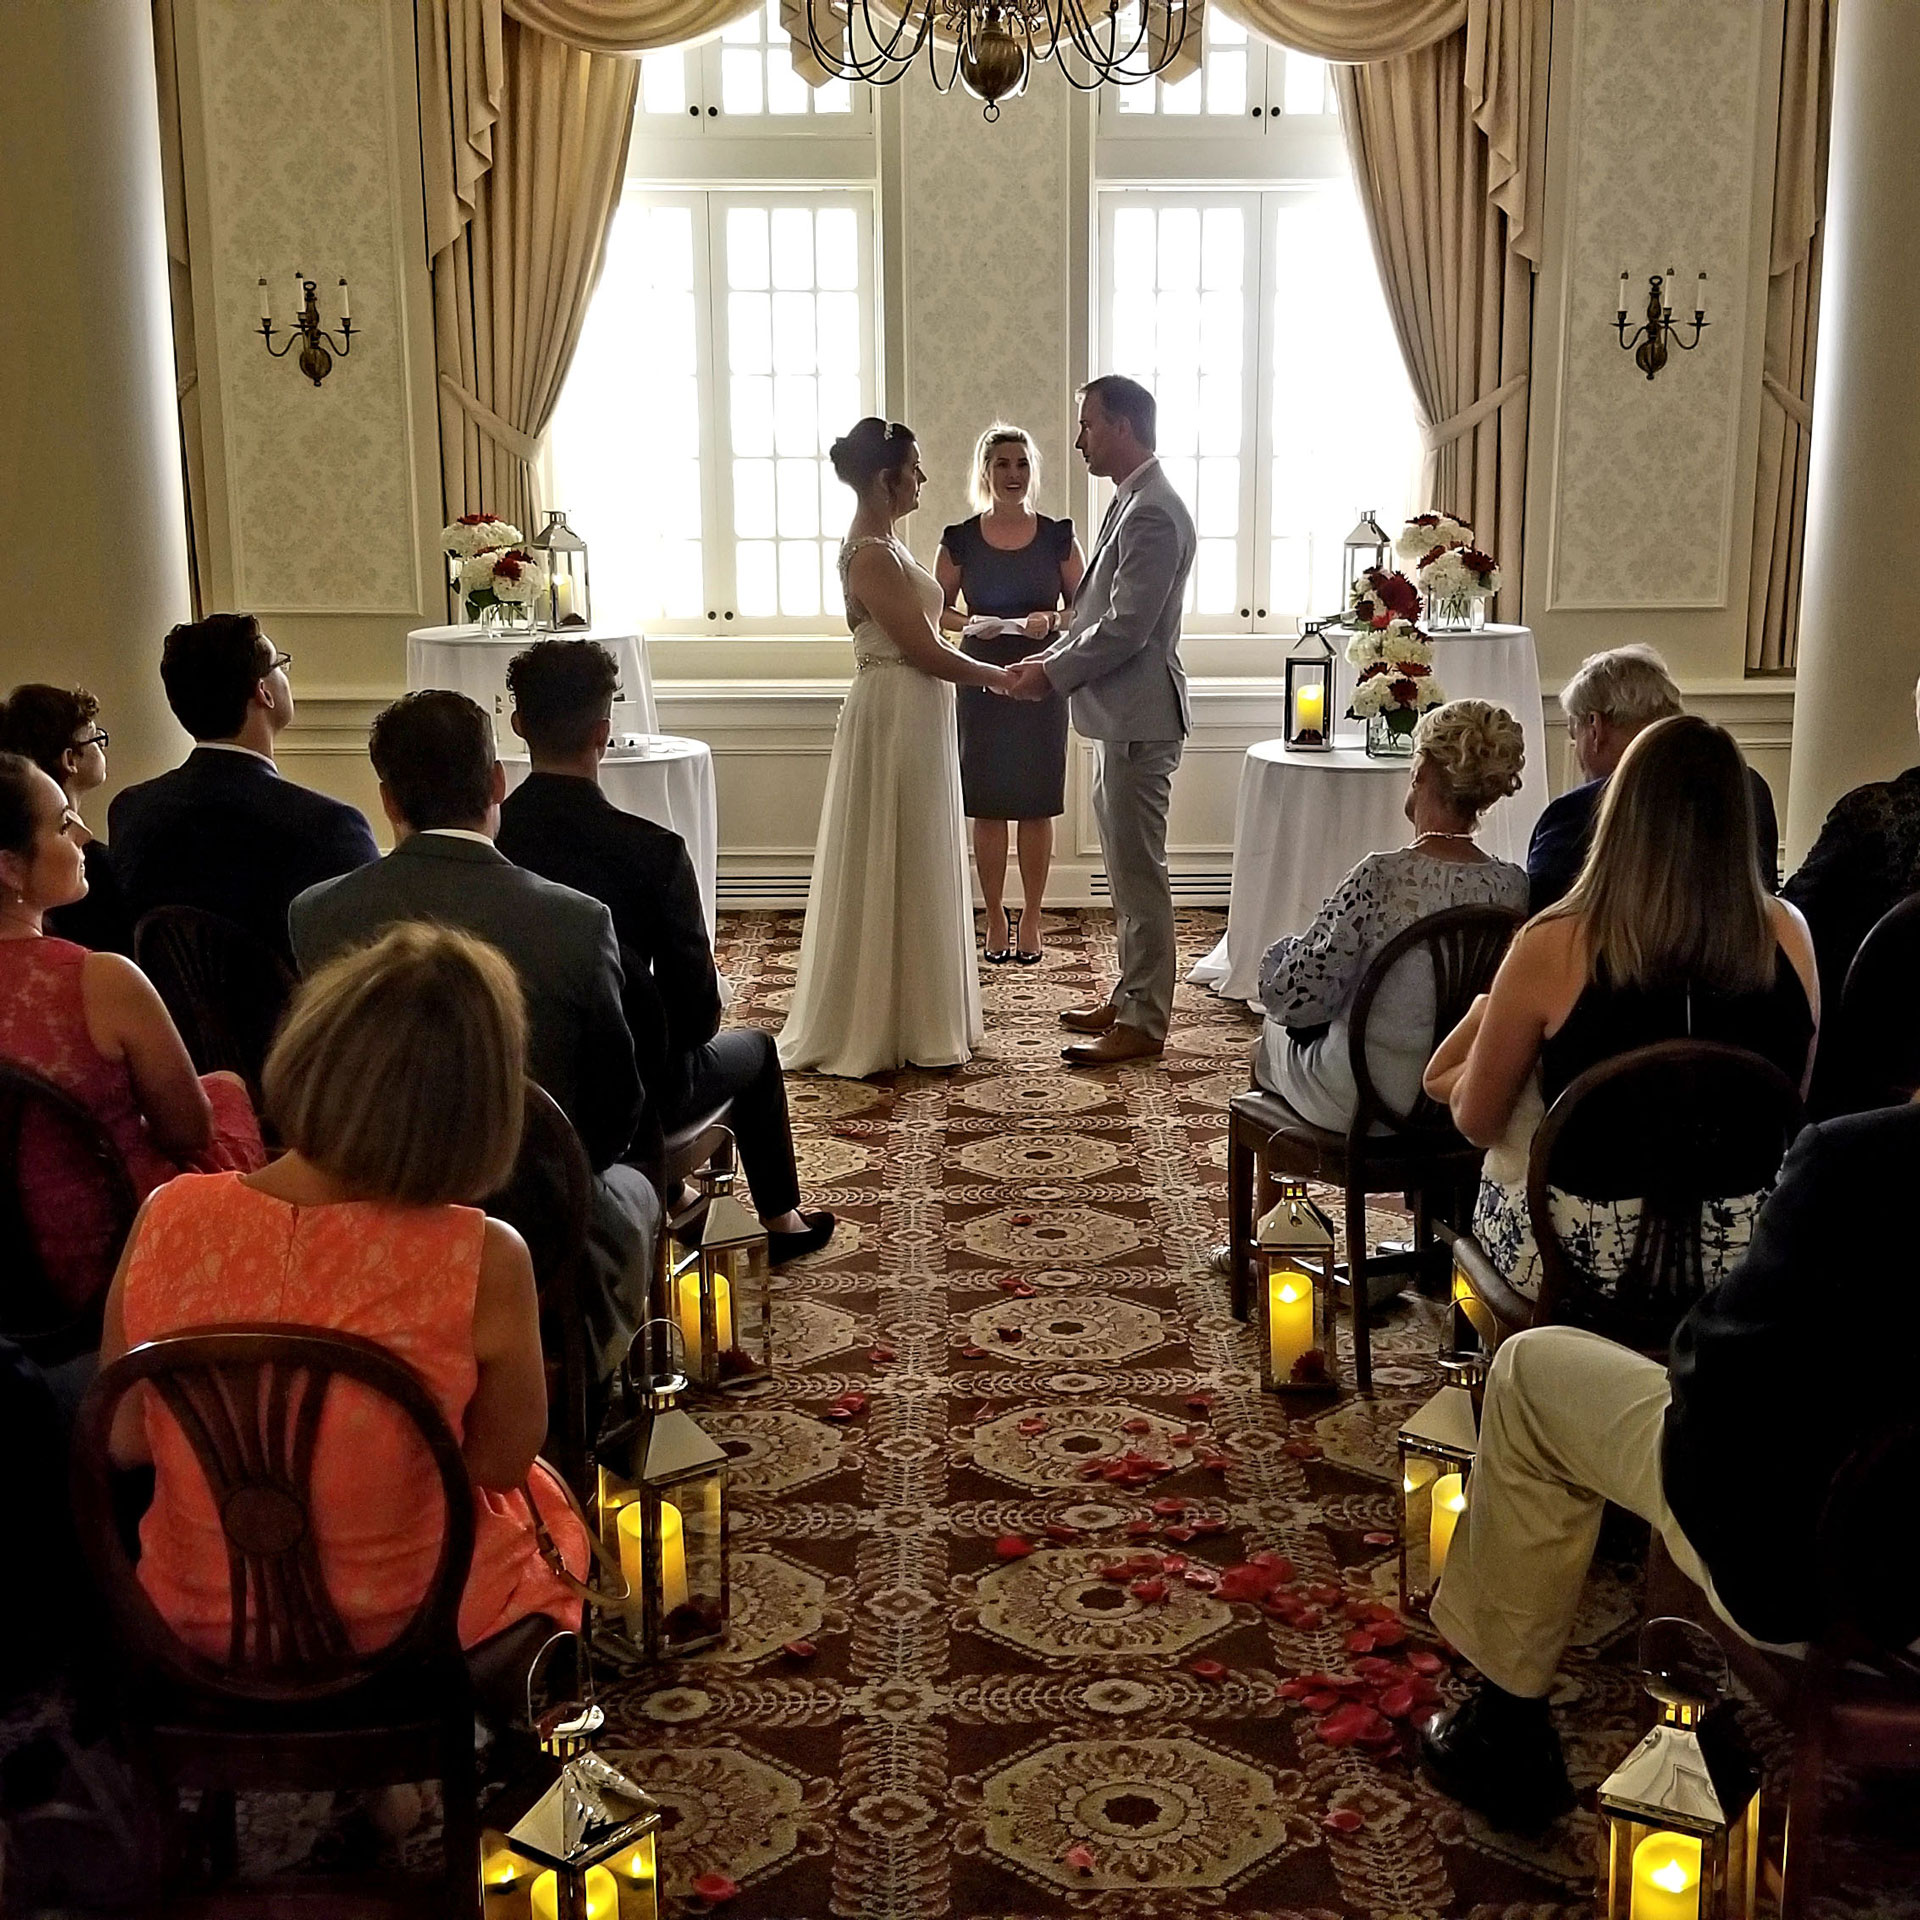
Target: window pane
{"points": [[793, 333], [747, 247], [1180, 249], [796, 416], [1307, 84], [740, 81], [836, 503], [749, 333], [669, 248], [1223, 249], [837, 235], [681, 587], [1217, 511], [840, 406], [832, 601], [1216, 566], [839, 332], [836, 96], [753, 499], [786, 91], [754, 590], [752, 408], [663, 83], [677, 417], [799, 499], [1182, 97], [1226, 83], [1133, 250], [793, 247], [799, 577], [744, 32]]}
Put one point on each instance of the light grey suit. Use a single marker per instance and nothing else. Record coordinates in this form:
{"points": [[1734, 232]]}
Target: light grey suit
{"points": [[1119, 665]]}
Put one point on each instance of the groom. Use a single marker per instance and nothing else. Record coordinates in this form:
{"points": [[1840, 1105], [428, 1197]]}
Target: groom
{"points": [[1119, 662]]}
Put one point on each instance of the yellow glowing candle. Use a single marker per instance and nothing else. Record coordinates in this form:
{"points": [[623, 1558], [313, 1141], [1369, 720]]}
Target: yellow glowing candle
{"points": [[1666, 1878], [636, 1866], [1309, 707], [1289, 1321], [603, 1896], [500, 1870], [562, 595], [1449, 1503], [673, 1554], [688, 1313]]}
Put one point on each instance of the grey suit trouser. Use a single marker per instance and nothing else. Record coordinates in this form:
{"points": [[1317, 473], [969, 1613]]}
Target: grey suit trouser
{"points": [[1132, 780]]}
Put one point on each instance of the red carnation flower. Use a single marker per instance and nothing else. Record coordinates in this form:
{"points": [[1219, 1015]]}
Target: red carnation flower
{"points": [[1398, 594], [1480, 563], [1404, 692]]}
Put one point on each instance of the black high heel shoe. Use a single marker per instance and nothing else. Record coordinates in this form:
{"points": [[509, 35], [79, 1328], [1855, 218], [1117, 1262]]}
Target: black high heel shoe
{"points": [[1025, 956], [999, 956]]}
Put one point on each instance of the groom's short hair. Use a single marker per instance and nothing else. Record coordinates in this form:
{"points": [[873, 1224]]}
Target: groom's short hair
{"points": [[1124, 399]]}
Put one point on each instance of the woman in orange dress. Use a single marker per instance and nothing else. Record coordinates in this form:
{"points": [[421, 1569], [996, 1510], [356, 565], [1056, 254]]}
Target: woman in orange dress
{"points": [[396, 1083], [93, 1025]]}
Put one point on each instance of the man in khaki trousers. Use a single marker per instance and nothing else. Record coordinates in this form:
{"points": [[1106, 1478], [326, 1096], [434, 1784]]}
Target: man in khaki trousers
{"points": [[1119, 665]]}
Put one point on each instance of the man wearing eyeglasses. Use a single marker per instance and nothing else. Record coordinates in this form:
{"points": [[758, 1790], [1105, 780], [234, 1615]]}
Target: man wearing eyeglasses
{"points": [[226, 831], [1610, 699]]}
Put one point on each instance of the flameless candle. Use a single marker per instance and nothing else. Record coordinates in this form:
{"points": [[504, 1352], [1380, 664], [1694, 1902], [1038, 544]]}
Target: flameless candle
{"points": [[266, 302], [1449, 1503], [1666, 1878], [673, 1558], [637, 1867], [603, 1896], [346, 313], [1310, 707], [688, 1314], [1666, 291], [1700, 298], [627, 1525], [500, 1872], [562, 595], [1289, 1321], [1623, 293]]}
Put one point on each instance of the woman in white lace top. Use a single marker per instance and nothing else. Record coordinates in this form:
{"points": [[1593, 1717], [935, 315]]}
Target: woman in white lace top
{"points": [[1466, 755]]}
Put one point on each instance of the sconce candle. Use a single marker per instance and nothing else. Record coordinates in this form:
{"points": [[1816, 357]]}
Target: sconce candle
{"points": [[346, 312], [1623, 294], [317, 344], [1653, 341]]}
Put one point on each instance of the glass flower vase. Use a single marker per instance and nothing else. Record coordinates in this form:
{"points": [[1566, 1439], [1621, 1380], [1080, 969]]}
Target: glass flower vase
{"points": [[1456, 613], [1390, 734], [508, 616]]}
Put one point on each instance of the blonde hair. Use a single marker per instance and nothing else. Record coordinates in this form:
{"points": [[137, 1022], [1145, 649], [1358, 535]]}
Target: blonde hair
{"points": [[979, 482], [1476, 749], [400, 1068], [1670, 893], [1627, 685]]}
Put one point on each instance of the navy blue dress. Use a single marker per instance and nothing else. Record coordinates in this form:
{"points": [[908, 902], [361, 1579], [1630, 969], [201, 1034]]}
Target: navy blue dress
{"points": [[1013, 753]]}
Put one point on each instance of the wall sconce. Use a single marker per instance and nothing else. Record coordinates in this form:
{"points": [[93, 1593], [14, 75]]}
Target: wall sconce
{"points": [[314, 340], [1650, 342]]}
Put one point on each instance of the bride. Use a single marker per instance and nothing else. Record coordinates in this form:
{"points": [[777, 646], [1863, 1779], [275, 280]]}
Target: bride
{"points": [[886, 975]]}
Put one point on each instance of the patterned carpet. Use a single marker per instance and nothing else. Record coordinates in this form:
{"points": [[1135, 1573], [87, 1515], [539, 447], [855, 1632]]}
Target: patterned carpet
{"points": [[941, 1694]]}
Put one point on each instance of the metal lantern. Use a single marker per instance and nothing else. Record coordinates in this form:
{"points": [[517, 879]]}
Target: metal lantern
{"points": [[586, 1849], [660, 1508], [1680, 1815], [1437, 1447], [719, 1291], [1310, 692], [563, 553], [1368, 545], [1294, 1299]]}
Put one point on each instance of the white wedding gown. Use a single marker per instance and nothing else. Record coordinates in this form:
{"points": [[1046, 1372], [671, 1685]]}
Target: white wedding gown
{"points": [[887, 976]]}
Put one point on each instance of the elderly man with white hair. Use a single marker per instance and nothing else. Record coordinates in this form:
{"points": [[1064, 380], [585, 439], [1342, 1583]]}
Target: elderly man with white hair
{"points": [[1610, 698]]}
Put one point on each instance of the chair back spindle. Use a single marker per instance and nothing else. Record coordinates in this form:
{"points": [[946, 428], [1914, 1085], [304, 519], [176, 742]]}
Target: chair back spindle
{"points": [[226, 990]]}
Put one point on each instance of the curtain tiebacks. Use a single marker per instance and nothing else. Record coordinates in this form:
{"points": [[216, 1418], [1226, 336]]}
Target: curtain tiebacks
{"points": [[1460, 424], [523, 446], [1799, 411]]}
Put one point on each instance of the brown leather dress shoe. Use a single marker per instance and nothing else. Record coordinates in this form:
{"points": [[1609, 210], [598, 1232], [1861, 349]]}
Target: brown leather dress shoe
{"points": [[1094, 1019], [1116, 1044]]}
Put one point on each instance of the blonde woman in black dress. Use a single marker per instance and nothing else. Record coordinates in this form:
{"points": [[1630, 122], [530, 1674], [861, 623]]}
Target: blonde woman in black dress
{"points": [[1013, 566]]}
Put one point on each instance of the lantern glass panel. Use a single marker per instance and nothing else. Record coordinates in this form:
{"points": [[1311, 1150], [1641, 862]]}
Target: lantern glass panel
{"points": [[1436, 1463], [720, 1297], [564, 555], [1309, 717], [1294, 1296], [1366, 546]]}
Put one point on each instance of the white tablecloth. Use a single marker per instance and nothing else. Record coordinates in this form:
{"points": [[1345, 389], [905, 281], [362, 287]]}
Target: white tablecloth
{"points": [[668, 780], [473, 661], [1305, 819]]}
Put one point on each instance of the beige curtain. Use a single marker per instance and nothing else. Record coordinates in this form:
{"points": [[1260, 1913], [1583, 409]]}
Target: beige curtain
{"points": [[186, 363], [525, 142], [628, 26], [1458, 285], [1352, 30], [1793, 309]]}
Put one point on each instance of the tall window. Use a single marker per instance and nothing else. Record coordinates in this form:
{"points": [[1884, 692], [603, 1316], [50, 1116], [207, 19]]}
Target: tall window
{"points": [[730, 342], [1253, 310], [746, 74]]}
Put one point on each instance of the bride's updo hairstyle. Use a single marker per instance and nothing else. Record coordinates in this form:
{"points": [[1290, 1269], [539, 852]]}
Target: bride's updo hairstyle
{"points": [[870, 449]]}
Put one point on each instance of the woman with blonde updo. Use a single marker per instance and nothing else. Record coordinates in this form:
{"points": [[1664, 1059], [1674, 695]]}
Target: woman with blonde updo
{"points": [[1466, 755]]}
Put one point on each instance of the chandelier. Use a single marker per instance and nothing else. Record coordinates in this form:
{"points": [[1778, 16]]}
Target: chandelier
{"points": [[989, 46]]}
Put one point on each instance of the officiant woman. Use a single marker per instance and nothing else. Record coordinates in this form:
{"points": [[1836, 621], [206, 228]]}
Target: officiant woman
{"points": [[1012, 563]]}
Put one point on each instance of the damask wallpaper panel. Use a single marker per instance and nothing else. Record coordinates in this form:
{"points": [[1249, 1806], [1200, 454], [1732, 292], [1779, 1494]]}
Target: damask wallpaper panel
{"points": [[1663, 168], [302, 158], [986, 241]]}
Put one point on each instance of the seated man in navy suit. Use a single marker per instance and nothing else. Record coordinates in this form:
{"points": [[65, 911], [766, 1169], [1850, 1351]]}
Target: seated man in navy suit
{"points": [[224, 831], [1607, 702]]}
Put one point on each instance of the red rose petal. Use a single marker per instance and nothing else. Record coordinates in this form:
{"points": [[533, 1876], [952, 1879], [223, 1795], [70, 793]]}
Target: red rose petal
{"points": [[1199, 1403], [1352, 1722], [1208, 1524], [1296, 1688], [1180, 1533], [1011, 1334], [1376, 1540], [1136, 1426], [1006, 1282], [1181, 1439], [800, 1649], [1343, 1820], [1377, 1669], [1421, 1661], [1202, 1577], [1397, 1702], [715, 1887], [1141, 1529], [1322, 1594], [1010, 1546], [1144, 1562], [1309, 1619], [1321, 1702], [1080, 1858], [881, 1355], [973, 1353], [1170, 1504], [1031, 1427], [1379, 1610], [1119, 1571], [1174, 1563], [1020, 1219], [1388, 1633], [1021, 1291], [1207, 1669], [1361, 1642], [1149, 1590], [1059, 1530], [1379, 1739]]}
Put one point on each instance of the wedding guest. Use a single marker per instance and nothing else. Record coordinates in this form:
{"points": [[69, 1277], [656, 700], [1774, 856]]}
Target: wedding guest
{"points": [[1866, 860], [441, 787], [1609, 700], [1012, 564], [1466, 755], [224, 831], [1572, 1421], [58, 729], [396, 1084], [93, 1025], [559, 824], [1666, 935]]}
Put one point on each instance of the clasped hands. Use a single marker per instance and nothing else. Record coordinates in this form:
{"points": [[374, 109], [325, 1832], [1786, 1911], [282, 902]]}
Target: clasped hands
{"points": [[1024, 680]]}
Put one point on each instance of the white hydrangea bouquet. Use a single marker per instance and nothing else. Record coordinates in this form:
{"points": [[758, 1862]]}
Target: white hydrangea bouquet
{"points": [[1455, 576], [507, 580], [474, 536], [1395, 684]]}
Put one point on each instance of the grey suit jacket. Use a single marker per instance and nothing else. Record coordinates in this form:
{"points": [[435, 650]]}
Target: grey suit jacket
{"points": [[1119, 661], [561, 944]]}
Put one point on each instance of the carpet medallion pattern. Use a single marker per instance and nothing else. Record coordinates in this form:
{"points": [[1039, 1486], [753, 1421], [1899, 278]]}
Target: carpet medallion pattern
{"points": [[987, 1657]]}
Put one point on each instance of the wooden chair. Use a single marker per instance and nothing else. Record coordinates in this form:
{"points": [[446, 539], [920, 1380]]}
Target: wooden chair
{"points": [[1419, 1152], [547, 1202], [289, 1705], [47, 1321], [1870, 1054], [1674, 1126], [1856, 1696], [225, 989]]}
